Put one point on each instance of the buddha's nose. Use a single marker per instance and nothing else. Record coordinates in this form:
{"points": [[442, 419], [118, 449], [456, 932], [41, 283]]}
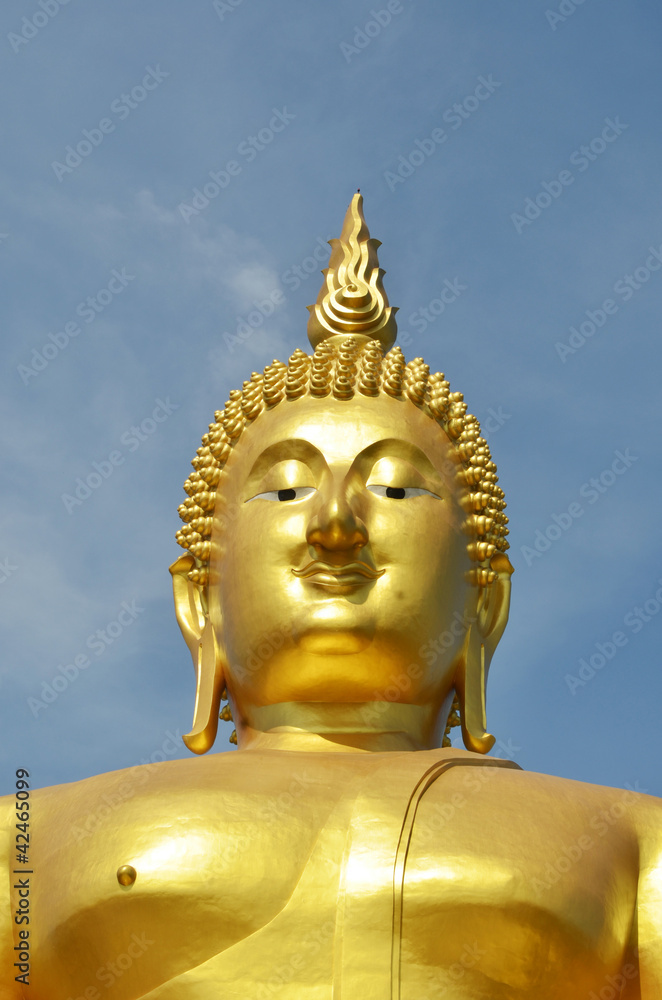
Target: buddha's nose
{"points": [[336, 527]]}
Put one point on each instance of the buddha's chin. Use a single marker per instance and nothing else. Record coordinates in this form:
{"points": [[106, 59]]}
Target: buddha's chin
{"points": [[321, 641], [332, 628]]}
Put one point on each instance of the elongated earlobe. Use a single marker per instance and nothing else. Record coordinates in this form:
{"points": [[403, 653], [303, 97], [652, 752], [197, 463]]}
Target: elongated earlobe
{"points": [[209, 686], [200, 637], [488, 622], [470, 685]]}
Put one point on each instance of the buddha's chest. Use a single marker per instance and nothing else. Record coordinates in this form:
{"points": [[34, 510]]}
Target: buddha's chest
{"points": [[510, 904], [208, 876], [303, 881]]}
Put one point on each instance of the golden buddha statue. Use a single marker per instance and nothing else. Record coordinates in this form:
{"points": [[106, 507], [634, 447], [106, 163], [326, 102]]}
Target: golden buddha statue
{"points": [[345, 584]]}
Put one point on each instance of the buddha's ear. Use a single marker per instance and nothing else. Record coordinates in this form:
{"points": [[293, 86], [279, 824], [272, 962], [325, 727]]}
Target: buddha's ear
{"points": [[199, 635], [190, 604], [488, 618], [493, 604]]}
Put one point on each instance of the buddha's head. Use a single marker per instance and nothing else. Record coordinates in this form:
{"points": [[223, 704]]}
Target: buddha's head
{"points": [[345, 570]]}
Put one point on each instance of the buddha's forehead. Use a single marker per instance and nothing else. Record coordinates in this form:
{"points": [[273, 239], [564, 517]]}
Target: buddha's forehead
{"points": [[342, 429]]}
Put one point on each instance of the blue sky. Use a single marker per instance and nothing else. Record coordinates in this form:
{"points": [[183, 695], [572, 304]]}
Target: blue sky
{"points": [[509, 149]]}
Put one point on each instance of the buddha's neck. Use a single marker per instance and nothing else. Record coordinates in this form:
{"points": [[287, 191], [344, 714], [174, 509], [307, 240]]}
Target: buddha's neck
{"points": [[371, 727]]}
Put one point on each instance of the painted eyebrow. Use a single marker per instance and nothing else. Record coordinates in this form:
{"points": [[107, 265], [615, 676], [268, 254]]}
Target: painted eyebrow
{"points": [[285, 451], [398, 448], [303, 451]]}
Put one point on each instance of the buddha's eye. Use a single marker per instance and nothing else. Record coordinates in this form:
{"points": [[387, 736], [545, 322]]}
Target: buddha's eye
{"points": [[400, 492], [296, 493]]}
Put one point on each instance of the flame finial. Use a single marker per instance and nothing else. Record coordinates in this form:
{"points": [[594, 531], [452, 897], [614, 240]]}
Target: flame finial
{"points": [[352, 300]]}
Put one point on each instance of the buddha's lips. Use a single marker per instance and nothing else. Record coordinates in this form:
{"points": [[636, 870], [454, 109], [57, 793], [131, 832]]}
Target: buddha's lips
{"points": [[348, 573]]}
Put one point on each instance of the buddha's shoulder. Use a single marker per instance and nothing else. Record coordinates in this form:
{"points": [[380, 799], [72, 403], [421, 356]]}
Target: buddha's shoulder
{"points": [[226, 777], [222, 771], [495, 791]]}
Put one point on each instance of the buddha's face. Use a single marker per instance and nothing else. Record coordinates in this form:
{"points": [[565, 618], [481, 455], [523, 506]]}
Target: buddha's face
{"points": [[339, 555]]}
